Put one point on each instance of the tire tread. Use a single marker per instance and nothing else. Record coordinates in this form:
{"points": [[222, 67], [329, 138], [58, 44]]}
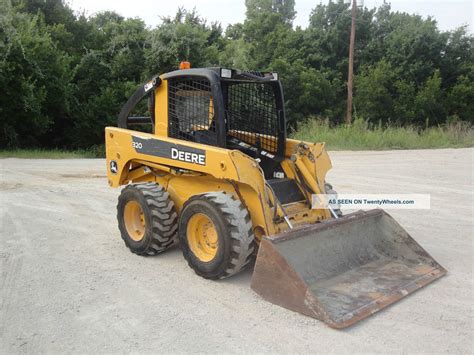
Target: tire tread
{"points": [[242, 240], [163, 218]]}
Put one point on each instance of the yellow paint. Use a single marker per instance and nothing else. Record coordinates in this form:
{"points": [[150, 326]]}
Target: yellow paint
{"points": [[225, 170], [134, 220], [211, 111], [161, 109], [202, 237]]}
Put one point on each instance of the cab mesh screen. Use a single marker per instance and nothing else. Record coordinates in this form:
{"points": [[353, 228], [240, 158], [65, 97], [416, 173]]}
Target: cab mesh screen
{"points": [[251, 108], [190, 110]]}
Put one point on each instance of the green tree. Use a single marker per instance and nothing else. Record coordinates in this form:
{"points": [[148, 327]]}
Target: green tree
{"points": [[64, 76], [429, 101], [373, 92], [267, 24], [184, 37], [105, 77], [404, 109], [33, 79], [460, 98]]}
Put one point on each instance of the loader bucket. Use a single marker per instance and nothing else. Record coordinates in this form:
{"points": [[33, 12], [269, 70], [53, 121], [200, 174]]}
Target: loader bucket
{"points": [[342, 270]]}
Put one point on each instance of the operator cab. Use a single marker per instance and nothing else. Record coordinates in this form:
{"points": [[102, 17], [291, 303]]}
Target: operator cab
{"points": [[230, 108]]}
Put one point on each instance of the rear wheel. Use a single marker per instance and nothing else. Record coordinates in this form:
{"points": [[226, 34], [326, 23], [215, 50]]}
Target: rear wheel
{"points": [[147, 219], [215, 234]]}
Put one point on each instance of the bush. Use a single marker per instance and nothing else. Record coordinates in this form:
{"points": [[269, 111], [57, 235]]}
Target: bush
{"points": [[363, 136]]}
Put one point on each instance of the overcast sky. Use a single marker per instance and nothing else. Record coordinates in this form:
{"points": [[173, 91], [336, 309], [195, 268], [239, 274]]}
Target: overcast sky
{"points": [[449, 13]]}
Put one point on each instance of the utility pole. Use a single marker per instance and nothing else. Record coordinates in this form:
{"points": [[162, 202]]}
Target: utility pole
{"points": [[351, 64]]}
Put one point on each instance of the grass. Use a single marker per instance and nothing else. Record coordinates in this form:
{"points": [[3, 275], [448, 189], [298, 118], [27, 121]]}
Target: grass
{"points": [[359, 136], [49, 154]]}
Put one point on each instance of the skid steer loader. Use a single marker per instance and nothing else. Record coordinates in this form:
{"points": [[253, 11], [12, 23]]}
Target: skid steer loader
{"points": [[212, 168]]}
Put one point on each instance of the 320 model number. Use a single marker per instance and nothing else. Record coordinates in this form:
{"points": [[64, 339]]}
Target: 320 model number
{"points": [[169, 150], [137, 145]]}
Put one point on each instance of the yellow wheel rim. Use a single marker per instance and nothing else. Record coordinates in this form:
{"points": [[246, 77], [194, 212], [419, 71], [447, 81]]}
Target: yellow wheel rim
{"points": [[134, 220], [202, 237]]}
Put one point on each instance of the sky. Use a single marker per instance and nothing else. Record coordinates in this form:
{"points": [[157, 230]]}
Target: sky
{"points": [[449, 14]]}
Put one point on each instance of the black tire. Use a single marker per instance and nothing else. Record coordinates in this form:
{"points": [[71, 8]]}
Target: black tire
{"points": [[234, 230], [160, 216], [330, 191]]}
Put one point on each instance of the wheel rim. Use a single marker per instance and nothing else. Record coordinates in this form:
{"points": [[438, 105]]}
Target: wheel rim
{"points": [[134, 220], [202, 237]]}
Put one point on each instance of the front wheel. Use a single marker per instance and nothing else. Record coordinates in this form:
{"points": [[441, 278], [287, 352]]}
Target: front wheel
{"points": [[215, 234]]}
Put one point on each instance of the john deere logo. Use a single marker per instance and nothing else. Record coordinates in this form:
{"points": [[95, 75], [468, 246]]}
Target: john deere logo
{"points": [[113, 167]]}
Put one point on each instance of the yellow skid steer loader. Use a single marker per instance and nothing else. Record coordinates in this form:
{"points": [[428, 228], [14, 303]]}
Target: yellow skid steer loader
{"points": [[211, 167]]}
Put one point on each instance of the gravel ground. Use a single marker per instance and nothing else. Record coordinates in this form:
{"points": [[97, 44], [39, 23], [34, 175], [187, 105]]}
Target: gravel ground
{"points": [[68, 284]]}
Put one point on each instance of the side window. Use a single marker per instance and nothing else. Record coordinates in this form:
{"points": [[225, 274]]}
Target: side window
{"points": [[251, 112], [191, 110], [142, 116]]}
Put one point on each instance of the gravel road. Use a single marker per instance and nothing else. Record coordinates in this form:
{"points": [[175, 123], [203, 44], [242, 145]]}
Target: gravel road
{"points": [[68, 284]]}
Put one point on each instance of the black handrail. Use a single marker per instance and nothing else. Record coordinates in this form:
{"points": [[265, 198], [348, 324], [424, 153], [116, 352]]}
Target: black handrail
{"points": [[123, 118]]}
